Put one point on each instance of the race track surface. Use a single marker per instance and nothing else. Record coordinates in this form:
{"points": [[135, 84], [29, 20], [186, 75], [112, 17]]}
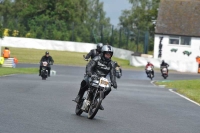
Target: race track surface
{"points": [[31, 105]]}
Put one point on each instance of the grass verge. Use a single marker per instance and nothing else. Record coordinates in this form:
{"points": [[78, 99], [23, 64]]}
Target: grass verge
{"points": [[7, 71], [25, 55], [188, 88]]}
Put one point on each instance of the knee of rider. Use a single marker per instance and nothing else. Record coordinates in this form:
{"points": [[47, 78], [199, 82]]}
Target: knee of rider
{"points": [[108, 89], [83, 83]]}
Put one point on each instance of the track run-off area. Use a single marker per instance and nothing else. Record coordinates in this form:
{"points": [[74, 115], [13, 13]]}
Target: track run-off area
{"points": [[31, 105]]}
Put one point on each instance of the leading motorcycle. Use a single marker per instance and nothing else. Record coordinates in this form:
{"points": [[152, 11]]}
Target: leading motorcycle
{"points": [[94, 96]]}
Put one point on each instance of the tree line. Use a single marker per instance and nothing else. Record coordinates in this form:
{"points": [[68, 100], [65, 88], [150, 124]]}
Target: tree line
{"points": [[77, 20]]}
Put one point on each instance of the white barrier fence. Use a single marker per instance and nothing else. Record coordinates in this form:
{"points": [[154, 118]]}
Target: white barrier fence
{"points": [[58, 45], [178, 65]]}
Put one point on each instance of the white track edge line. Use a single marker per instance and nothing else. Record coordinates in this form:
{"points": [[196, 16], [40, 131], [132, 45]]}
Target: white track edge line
{"points": [[184, 97], [152, 82], [8, 75]]}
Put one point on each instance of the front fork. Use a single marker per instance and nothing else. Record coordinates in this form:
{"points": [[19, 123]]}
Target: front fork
{"points": [[100, 93]]}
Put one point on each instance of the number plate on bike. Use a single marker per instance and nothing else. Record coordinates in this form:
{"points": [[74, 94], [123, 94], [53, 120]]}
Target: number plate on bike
{"points": [[44, 63], [103, 82]]}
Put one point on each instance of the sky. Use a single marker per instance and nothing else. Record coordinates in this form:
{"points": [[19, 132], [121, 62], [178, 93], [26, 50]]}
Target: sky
{"points": [[113, 9]]}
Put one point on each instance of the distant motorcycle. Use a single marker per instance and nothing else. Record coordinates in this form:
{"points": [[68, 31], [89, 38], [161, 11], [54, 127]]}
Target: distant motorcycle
{"points": [[94, 96], [149, 71], [164, 72], [44, 71]]}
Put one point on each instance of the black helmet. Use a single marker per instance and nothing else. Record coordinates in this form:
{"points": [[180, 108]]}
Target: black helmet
{"points": [[107, 49], [46, 52], [99, 46]]}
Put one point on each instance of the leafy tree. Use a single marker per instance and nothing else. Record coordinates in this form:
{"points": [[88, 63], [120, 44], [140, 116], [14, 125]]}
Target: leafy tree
{"points": [[74, 20], [140, 16], [1, 31]]}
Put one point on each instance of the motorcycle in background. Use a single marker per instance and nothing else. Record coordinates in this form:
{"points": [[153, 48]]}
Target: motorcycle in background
{"points": [[164, 72], [44, 71], [149, 71]]}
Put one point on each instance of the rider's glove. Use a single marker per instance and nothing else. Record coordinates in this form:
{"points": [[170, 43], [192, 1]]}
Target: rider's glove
{"points": [[114, 85]]}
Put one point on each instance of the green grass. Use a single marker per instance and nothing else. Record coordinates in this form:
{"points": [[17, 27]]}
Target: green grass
{"points": [[7, 71], [60, 57], [189, 88]]}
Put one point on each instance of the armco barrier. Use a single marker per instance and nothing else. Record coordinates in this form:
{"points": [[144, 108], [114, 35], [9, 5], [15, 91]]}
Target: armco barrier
{"points": [[9, 62], [58, 45]]}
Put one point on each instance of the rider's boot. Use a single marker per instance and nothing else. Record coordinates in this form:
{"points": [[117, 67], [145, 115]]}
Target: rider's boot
{"points": [[81, 92], [101, 107], [77, 99], [105, 94]]}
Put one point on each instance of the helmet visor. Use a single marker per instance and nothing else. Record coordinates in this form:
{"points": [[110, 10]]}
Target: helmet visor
{"points": [[108, 55]]}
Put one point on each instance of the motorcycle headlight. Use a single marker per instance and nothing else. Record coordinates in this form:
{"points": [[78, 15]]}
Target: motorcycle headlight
{"points": [[117, 68], [104, 82]]}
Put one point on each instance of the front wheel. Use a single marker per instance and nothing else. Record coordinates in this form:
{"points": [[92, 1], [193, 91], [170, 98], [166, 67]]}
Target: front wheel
{"points": [[78, 110], [94, 107], [165, 76]]}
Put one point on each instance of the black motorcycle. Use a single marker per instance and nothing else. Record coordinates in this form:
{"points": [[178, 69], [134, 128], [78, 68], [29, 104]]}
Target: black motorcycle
{"points": [[149, 72], [44, 71], [164, 72], [94, 96]]}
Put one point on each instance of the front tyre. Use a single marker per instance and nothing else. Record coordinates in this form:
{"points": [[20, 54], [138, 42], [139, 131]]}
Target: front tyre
{"points": [[78, 110], [95, 106]]}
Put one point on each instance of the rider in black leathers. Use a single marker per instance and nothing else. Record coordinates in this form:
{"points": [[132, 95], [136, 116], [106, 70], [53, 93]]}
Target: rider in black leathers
{"points": [[100, 65], [164, 64], [120, 69], [94, 52], [49, 60]]}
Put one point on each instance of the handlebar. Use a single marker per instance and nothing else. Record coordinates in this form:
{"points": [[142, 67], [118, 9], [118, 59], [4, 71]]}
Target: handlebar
{"points": [[51, 63], [94, 77], [85, 58]]}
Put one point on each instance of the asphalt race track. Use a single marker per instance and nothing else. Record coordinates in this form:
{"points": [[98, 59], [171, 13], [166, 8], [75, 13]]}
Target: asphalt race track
{"points": [[30, 105]]}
